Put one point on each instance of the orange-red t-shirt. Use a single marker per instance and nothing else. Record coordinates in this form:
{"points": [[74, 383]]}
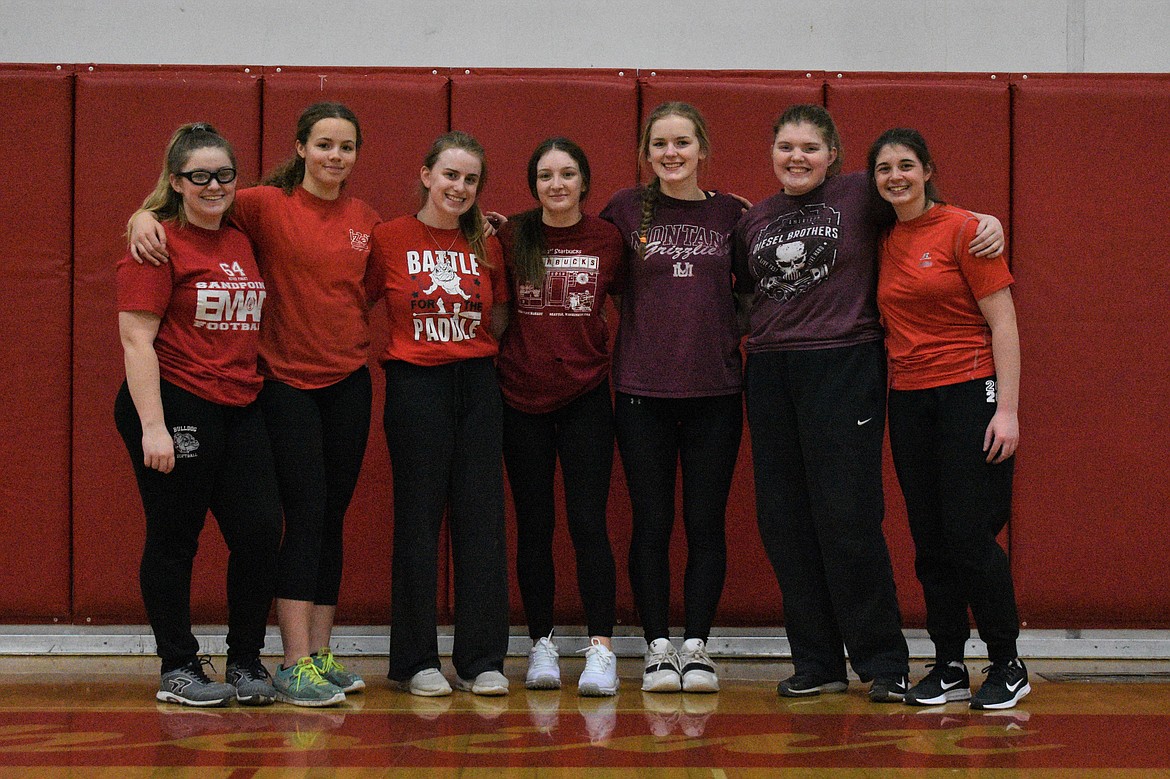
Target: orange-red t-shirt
{"points": [[209, 298], [928, 285], [313, 254], [439, 294]]}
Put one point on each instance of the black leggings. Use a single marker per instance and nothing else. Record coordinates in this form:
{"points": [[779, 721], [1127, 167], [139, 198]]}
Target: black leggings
{"points": [[654, 435], [222, 463], [581, 435], [318, 442]]}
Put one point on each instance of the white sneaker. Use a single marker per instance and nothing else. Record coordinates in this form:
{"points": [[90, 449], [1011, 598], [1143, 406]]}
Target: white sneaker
{"points": [[698, 672], [662, 667], [429, 683], [600, 675], [484, 683], [544, 672]]}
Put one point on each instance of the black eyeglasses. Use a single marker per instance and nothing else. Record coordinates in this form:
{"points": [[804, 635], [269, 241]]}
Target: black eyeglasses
{"points": [[202, 178]]}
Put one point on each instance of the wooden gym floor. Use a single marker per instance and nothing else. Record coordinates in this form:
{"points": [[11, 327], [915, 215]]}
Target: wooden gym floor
{"points": [[96, 716]]}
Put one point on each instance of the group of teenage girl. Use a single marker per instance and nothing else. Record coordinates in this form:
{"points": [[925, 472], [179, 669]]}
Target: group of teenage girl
{"points": [[854, 291]]}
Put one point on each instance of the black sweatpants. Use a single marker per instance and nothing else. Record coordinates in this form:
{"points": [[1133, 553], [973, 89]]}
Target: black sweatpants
{"points": [[580, 434], [443, 428], [223, 463], [654, 436], [957, 504], [318, 443], [816, 420]]}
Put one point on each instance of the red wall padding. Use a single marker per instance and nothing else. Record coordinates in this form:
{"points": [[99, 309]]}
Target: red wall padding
{"points": [[511, 115], [37, 104], [400, 116], [1088, 539], [124, 118], [1090, 205], [966, 122]]}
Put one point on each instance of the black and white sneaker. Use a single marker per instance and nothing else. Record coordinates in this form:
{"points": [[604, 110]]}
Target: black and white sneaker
{"points": [[663, 669], [698, 672], [945, 682], [806, 685], [888, 689], [1006, 685]]}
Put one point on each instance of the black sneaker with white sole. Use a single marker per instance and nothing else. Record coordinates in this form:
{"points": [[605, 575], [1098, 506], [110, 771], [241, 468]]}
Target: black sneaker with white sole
{"points": [[189, 685], [943, 683], [806, 685], [888, 689], [1006, 684]]}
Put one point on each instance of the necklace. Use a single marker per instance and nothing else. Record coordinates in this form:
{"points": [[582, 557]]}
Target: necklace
{"points": [[435, 240]]}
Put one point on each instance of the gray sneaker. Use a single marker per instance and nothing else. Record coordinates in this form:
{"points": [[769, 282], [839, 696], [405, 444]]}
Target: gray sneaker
{"points": [[190, 686], [252, 682]]}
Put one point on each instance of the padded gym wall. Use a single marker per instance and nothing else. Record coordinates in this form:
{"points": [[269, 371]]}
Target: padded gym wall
{"points": [[124, 118], [400, 114], [35, 314], [1090, 202]]}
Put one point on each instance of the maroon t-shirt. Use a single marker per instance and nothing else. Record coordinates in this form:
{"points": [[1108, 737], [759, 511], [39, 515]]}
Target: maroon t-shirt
{"points": [[556, 347], [209, 297], [677, 337], [811, 262]]}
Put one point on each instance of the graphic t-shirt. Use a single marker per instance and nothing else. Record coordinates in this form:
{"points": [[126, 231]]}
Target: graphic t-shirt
{"points": [[810, 262], [556, 347], [928, 289], [439, 294], [677, 336], [313, 254], [209, 297]]}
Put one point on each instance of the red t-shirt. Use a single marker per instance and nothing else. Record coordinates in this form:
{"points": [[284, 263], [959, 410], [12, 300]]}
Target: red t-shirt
{"points": [[313, 254], [928, 285], [556, 347], [209, 297], [439, 295]]}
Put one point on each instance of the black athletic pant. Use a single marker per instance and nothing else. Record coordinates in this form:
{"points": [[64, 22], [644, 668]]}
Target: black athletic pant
{"points": [[443, 428], [655, 435], [957, 504], [581, 435], [318, 443], [816, 420], [222, 463]]}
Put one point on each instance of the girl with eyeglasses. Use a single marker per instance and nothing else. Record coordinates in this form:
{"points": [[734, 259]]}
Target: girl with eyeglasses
{"points": [[188, 415]]}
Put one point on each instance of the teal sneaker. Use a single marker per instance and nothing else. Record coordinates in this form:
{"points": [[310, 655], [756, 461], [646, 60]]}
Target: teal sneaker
{"points": [[303, 685], [335, 672]]}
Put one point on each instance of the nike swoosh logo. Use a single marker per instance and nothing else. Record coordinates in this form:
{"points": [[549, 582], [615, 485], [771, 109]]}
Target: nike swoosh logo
{"points": [[946, 686], [861, 422], [1016, 686]]}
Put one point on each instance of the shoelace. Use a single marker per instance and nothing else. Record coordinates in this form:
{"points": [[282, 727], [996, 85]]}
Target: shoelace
{"points": [[669, 656], [328, 663], [596, 659], [545, 649], [251, 672], [196, 668], [303, 668], [998, 673], [698, 656]]}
